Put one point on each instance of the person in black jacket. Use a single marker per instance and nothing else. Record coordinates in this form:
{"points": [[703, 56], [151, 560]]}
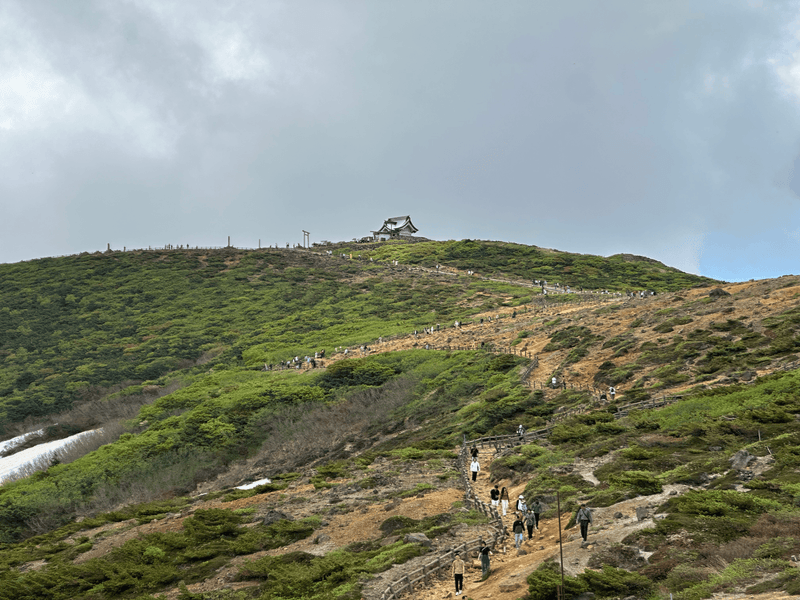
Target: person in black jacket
{"points": [[484, 551], [495, 496], [519, 531], [537, 509]]}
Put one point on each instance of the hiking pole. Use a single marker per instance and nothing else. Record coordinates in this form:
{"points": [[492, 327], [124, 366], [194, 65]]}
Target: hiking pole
{"points": [[560, 547]]}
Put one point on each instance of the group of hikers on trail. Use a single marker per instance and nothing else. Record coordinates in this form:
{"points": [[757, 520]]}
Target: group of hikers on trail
{"points": [[310, 362], [526, 518]]}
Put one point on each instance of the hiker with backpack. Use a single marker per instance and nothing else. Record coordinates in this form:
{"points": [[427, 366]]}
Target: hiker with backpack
{"points": [[584, 518]]}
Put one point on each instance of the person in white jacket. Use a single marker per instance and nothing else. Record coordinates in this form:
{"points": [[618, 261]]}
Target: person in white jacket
{"points": [[475, 467]]}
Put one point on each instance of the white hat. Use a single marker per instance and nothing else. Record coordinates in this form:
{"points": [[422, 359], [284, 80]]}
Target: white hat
{"points": [[521, 496]]}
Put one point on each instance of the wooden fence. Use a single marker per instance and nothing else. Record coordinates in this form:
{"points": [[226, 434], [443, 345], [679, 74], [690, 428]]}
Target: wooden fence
{"points": [[440, 565], [502, 444]]}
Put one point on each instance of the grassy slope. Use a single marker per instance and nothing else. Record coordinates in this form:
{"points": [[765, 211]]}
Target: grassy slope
{"points": [[619, 272], [65, 321], [72, 327], [75, 327]]}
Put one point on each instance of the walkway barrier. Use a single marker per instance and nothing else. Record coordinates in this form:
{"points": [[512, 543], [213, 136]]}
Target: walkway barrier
{"points": [[441, 564]]}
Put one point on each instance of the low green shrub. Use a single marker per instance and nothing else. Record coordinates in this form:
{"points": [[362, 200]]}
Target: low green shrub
{"points": [[544, 581], [613, 582], [643, 483]]}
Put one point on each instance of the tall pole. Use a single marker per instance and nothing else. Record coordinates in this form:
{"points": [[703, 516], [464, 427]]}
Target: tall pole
{"points": [[560, 544]]}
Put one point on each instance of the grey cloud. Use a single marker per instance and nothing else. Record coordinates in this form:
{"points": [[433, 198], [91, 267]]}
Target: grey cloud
{"points": [[636, 127]]}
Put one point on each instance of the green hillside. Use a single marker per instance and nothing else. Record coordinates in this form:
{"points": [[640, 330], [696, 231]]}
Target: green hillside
{"points": [[75, 327], [181, 338], [620, 272]]}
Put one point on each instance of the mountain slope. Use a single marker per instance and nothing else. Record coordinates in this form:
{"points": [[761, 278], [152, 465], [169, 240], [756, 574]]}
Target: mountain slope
{"points": [[181, 337]]}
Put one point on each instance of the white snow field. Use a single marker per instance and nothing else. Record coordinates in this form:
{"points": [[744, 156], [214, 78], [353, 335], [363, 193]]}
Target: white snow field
{"points": [[28, 461]]}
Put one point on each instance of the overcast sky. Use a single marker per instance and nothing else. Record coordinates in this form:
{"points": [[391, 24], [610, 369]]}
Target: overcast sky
{"points": [[665, 129]]}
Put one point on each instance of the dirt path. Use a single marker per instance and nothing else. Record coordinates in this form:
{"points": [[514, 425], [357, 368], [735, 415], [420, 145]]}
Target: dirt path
{"points": [[510, 567], [633, 318]]}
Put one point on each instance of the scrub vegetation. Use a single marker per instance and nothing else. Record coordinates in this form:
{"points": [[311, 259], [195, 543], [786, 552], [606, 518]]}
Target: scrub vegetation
{"points": [[169, 347]]}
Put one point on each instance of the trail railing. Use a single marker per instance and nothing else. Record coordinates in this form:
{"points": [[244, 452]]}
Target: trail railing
{"points": [[440, 565]]}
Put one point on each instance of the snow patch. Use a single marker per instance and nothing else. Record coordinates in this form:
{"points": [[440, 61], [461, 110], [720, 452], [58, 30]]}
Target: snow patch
{"points": [[250, 486]]}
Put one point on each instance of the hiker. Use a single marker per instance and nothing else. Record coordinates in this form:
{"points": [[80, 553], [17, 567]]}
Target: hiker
{"points": [[495, 496], [537, 508], [475, 467], [504, 500], [603, 397], [530, 523], [554, 381], [458, 573], [612, 392], [474, 451], [485, 552], [519, 531], [584, 517], [521, 506], [521, 432]]}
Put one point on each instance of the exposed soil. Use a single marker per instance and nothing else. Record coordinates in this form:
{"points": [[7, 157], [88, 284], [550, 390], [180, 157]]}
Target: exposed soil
{"points": [[366, 510], [749, 302]]}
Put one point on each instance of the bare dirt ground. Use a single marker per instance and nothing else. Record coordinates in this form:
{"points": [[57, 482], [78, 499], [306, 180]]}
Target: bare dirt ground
{"points": [[749, 302], [366, 510], [510, 568]]}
